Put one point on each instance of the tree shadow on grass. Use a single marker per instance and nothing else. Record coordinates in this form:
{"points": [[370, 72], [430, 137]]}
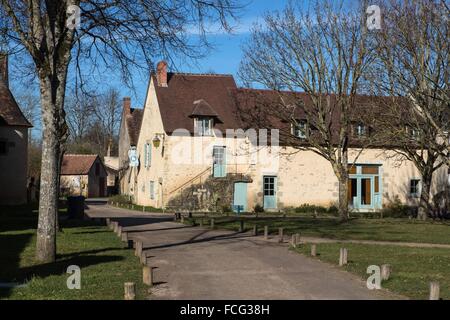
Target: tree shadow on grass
{"points": [[17, 229]]}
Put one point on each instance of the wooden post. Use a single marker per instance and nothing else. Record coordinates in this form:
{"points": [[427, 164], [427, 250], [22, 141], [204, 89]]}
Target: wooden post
{"points": [[119, 231], [293, 241], [130, 291], [143, 258], [313, 250], [115, 226], [434, 290], [255, 230], [182, 219], [266, 232], [342, 257], [212, 223], [201, 223], [241, 226], [138, 250], [143, 208], [147, 275], [385, 272], [297, 239], [124, 236], [280, 235]]}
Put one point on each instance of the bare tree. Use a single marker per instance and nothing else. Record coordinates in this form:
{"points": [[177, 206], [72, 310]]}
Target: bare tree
{"points": [[413, 55], [79, 111], [322, 52], [113, 33]]}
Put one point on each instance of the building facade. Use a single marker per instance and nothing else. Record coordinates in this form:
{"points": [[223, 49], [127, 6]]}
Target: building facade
{"points": [[13, 144], [194, 152], [83, 175]]}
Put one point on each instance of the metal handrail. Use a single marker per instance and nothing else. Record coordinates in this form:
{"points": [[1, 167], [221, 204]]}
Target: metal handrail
{"points": [[190, 180]]}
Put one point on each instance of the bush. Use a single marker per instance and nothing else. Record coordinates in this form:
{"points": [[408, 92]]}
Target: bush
{"points": [[258, 208], [396, 209], [310, 208], [121, 199]]}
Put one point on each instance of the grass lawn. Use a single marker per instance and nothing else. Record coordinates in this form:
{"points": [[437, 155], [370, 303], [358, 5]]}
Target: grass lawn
{"points": [[412, 268], [105, 264], [388, 229]]}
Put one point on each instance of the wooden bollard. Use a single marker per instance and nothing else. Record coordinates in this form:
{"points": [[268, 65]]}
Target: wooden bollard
{"points": [[297, 239], [119, 231], [255, 230], [201, 223], [143, 208], [266, 232], [130, 291], [342, 257], [385, 272], [138, 250], [241, 226], [313, 250], [143, 258], [212, 223], [182, 219], [147, 275], [115, 226], [434, 290], [124, 236], [280, 235], [108, 222], [294, 241]]}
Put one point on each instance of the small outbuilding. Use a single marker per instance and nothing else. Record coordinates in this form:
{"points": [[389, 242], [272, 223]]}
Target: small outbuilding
{"points": [[83, 175]]}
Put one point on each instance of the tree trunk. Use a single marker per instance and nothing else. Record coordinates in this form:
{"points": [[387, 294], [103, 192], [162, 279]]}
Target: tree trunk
{"points": [[424, 205], [54, 130], [343, 197], [48, 198]]}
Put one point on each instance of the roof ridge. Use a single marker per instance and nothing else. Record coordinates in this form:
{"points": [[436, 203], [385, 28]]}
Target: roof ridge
{"points": [[202, 74]]}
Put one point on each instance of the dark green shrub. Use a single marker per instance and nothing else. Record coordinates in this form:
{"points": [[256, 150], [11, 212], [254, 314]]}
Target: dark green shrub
{"points": [[258, 208], [121, 199], [396, 209], [309, 208]]}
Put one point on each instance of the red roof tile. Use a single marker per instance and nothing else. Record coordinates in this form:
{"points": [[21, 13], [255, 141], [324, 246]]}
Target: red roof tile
{"points": [[77, 164], [183, 90], [10, 113]]}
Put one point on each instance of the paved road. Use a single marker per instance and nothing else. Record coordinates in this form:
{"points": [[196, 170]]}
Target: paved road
{"points": [[198, 263]]}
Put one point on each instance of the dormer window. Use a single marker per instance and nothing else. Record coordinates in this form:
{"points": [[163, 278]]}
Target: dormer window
{"points": [[203, 126], [300, 129], [360, 130]]}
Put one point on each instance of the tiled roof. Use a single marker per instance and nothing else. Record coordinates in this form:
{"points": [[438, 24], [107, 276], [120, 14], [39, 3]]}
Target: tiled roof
{"points": [[10, 113], [176, 101], [77, 164]]}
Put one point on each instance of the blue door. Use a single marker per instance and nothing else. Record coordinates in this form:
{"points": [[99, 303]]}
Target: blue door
{"points": [[219, 168], [269, 191], [365, 188], [240, 197]]}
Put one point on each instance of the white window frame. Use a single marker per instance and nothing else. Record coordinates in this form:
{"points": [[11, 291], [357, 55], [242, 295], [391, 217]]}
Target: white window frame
{"points": [[418, 188], [147, 155], [300, 129], [200, 129], [360, 130]]}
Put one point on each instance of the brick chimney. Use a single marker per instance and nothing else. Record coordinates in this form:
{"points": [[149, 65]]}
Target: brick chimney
{"points": [[161, 74], [4, 68], [127, 105]]}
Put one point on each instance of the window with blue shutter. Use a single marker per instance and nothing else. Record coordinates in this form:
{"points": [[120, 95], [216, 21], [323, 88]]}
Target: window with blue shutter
{"points": [[147, 155]]}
